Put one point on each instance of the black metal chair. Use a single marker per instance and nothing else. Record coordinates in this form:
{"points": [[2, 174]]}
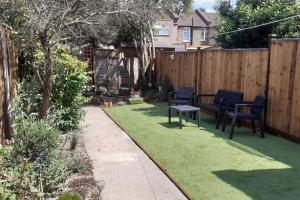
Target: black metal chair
{"points": [[183, 96], [219, 102], [255, 114]]}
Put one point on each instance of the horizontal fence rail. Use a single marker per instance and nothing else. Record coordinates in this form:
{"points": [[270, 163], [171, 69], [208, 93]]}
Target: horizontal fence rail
{"points": [[274, 72]]}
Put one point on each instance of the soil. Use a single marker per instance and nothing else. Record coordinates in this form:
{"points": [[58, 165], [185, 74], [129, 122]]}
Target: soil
{"points": [[83, 182]]}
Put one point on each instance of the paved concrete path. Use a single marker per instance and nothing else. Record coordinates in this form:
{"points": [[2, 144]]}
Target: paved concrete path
{"points": [[128, 172]]}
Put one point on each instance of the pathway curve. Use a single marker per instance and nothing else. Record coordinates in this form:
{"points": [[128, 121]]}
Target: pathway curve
{"points": [[128, 172]]}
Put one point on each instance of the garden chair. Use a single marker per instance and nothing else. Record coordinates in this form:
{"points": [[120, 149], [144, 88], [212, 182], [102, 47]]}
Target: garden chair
{"points": [[255, 114], [219, 102], [183, 96]]}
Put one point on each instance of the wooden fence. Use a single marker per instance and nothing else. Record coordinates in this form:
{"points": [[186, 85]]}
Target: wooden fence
{"points": [[8, 81], [274, 72]]}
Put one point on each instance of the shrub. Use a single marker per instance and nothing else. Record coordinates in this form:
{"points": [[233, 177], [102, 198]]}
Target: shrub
{"points": [[135, 100], [34, 138], [55, 169], [18, 180], [101, 90], [69, 83], [167, 85], [69, 196], [112, 93]]}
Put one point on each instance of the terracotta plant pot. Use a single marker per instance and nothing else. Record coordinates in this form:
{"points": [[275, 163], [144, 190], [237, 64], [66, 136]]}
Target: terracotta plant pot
{"points": [[110, 104], [120, 98], [105, 104]]}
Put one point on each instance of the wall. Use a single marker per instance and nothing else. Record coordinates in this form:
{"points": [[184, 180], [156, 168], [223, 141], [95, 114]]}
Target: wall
{"points": [[171, 39], [274, 72]]}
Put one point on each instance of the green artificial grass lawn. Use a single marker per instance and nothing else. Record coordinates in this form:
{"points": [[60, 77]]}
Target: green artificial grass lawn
{"points": [[206, 163]]}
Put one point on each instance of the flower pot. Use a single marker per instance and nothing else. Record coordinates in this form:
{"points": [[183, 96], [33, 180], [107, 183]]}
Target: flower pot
{"points": [[110, 104], [105, 104], [120, 98]]}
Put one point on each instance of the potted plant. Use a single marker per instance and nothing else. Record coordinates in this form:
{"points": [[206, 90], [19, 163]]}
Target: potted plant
{"points": [[111, 94], [101, 90]]}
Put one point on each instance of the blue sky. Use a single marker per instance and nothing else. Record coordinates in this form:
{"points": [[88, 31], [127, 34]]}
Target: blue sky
{"points": [[207, 4]]}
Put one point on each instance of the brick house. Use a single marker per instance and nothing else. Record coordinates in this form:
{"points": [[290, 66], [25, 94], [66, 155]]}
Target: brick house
{"points": [[186, 30]]}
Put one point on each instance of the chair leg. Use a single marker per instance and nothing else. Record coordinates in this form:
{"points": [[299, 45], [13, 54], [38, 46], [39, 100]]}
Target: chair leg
{"points": [[218, 120], [240, 123], [253, 126], [262, 128], [224, 123], [232, 127], [169, 115]]}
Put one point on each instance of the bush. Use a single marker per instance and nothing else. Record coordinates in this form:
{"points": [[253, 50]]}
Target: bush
{"points": [[69, 83], [135, 100], [56, 168], [112, 93], [101, 90], [18, 180], [69, 196], [167, 86], [34, 138]]}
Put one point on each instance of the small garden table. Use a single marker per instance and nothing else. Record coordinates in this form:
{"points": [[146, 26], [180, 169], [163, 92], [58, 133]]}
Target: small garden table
{"points": [[184, 109]]}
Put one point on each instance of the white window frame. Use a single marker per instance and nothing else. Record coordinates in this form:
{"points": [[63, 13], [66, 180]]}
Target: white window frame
{"points": [[162, 30], [203, 30], [186, 30]]}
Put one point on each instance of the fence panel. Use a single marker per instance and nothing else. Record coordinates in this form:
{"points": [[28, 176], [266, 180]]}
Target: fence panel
{"points": [[284, 94], [238, 70], [179, 66]]}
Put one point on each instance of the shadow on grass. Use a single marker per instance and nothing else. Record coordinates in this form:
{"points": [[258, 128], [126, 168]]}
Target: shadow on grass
{"points": [[275, 184], [257, 184]]}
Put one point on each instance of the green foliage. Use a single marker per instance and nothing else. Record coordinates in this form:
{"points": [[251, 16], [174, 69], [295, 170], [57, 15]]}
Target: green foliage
{"points": [[167, 86], [69, 83], [28, 100], [34, 138], [55, 168], [101, 90], [249, 13], [69, 196], [135, 100], [112, 93], [18, 180]]}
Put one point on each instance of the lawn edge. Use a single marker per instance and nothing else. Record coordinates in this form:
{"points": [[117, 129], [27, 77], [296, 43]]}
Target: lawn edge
{"points": [[181, 189]]}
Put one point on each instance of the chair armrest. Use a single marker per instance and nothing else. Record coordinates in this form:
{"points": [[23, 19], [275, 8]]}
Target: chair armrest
{"points": [[238, 106], [171, 95]]}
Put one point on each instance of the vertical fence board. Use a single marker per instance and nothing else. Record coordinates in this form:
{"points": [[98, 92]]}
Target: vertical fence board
{"points": [[295, 114]]}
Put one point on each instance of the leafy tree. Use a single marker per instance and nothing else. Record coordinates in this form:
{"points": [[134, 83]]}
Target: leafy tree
{"points": [[249, 13], [202, 9], [43, 24], [136, 26]]}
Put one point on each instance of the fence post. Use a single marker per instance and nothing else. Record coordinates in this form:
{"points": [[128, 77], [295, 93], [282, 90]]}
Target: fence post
{"points": [[198, 70], [268, 79], [7, 106]]}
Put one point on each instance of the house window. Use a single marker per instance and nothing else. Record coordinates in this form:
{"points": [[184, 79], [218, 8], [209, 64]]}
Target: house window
{"points": [[186, 34], [162, 30], [203, 33]]}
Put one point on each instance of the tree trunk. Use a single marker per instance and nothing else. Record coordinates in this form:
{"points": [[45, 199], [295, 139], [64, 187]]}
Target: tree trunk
{"points": [[7, 105], [47, 82]]}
